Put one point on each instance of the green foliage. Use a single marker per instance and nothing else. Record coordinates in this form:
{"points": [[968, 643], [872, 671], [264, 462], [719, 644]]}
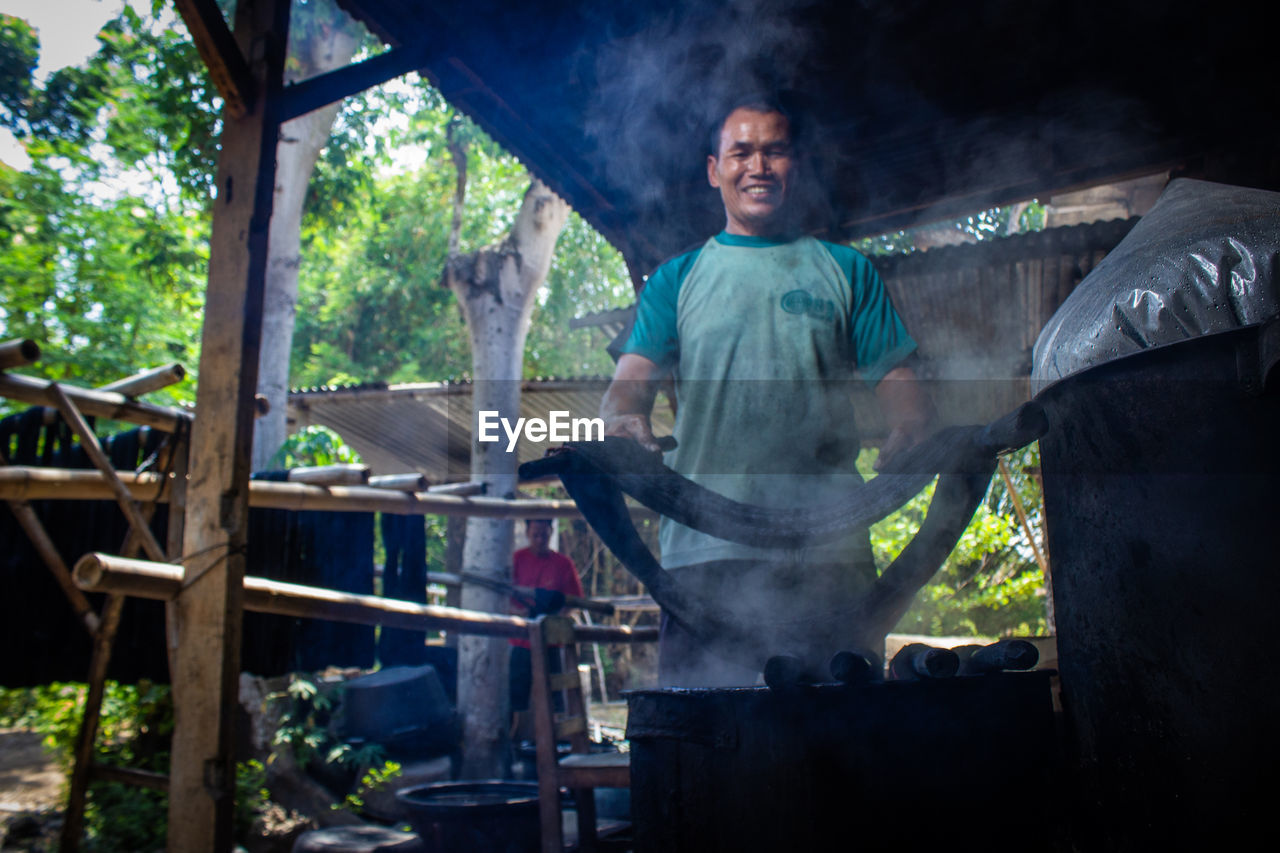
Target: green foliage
{"points": [[991, 585], [314, 445], [135, 727], [104, 239], [371, 306], [136, 724], [305, 729], [374, 779], [252, 797], [983, 225], [19, 55]]}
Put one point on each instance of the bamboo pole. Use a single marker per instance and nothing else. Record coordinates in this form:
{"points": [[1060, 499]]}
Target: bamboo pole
{"points": [[130, 776], [462, 490], [103, 640], [108, 573], [1022, 515], [331, 475], [28, 483], [49, 554], [103, 643], [146, 381], [456, 579], [18, 353], [399, 482], [104, 404], [89, 444]]}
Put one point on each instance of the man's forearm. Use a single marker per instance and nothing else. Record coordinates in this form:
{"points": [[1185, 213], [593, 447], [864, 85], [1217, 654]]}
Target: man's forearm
{"points": [[628, 401], [908, 412], [903, 401]]}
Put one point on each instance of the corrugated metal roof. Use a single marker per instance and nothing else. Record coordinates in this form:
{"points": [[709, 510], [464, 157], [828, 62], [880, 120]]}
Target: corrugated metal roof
{"points": [[426, 427]]}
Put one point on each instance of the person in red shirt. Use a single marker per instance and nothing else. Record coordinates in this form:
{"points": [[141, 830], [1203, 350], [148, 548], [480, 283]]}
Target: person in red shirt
{"points": [[552, 576]]}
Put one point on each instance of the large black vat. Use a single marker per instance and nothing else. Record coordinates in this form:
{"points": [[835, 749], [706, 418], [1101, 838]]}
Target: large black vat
{"points": [[492, 816], [1162, 493], [961, 763]]}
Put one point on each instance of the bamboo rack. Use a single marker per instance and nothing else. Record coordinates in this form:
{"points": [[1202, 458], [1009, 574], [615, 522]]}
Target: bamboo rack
{"points": [[104, 404], [26, 483], [163, 581]]}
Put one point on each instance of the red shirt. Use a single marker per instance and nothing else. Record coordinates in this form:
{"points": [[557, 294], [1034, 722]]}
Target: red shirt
{"points": [[552, 570]]}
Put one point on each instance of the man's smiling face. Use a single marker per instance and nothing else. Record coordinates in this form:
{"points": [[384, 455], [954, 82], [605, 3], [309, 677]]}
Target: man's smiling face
{"points": [[752, 169]]}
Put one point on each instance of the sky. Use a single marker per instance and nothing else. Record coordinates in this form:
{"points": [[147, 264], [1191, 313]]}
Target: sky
{"points": [[67, 31]]}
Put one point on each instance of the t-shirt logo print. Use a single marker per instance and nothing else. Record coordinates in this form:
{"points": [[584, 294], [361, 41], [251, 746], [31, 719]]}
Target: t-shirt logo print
{"points": [[803, 302]]}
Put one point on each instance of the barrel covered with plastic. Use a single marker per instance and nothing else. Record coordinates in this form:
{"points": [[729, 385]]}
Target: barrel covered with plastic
{"points": [[1162, 496]]}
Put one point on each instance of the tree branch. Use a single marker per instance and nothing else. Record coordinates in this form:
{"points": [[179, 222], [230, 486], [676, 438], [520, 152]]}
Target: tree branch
{"points": [[458, 152]]}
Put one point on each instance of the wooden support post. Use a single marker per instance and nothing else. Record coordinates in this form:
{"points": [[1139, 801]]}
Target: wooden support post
{"points": [[222, 55], [179, 464], [103, 640], [209, 608]]}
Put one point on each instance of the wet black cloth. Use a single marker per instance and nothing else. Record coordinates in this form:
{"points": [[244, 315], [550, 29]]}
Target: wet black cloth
{"points": [[404, 577]]}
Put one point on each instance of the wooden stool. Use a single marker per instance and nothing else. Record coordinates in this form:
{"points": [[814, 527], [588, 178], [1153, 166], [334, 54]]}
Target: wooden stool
{"points": [[358, 839]]}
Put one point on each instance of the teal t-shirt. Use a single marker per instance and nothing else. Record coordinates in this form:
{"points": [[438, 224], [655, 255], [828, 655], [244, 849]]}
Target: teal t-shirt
{"points": [[764, 339]]}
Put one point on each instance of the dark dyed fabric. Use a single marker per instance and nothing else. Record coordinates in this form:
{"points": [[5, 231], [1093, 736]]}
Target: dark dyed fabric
{"points": [[404, 577], [47, 642]]}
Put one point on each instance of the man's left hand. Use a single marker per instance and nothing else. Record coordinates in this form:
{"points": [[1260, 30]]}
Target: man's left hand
{"points": [[908, 412]]}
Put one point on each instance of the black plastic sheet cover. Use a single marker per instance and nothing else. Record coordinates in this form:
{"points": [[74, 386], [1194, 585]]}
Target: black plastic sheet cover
{"points": [[1202, 261]]}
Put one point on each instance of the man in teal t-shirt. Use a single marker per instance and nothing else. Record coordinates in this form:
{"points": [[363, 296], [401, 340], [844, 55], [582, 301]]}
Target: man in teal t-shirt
{"points": [[763, 331]]}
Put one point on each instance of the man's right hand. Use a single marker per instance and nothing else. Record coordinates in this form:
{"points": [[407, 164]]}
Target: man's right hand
{"points": [[629, 400], [635, 427]]}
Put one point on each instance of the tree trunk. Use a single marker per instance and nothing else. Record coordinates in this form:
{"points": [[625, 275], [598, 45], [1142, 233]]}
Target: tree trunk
{"points": [[496, 287], [301, 141]]}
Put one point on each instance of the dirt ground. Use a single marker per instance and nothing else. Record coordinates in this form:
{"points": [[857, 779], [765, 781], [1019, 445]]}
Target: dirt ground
{"points": [[31, 791]]}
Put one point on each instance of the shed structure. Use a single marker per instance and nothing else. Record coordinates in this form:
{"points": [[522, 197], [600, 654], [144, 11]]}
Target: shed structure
{"points": [[919, 110]]}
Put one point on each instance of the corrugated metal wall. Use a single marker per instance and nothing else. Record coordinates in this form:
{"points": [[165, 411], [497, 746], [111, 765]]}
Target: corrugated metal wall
{"points": [[976, 311]]}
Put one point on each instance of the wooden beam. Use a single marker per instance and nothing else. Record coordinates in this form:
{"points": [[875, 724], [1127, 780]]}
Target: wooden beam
{"points": [[316, 92], [209, 608], [222, 56]]}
